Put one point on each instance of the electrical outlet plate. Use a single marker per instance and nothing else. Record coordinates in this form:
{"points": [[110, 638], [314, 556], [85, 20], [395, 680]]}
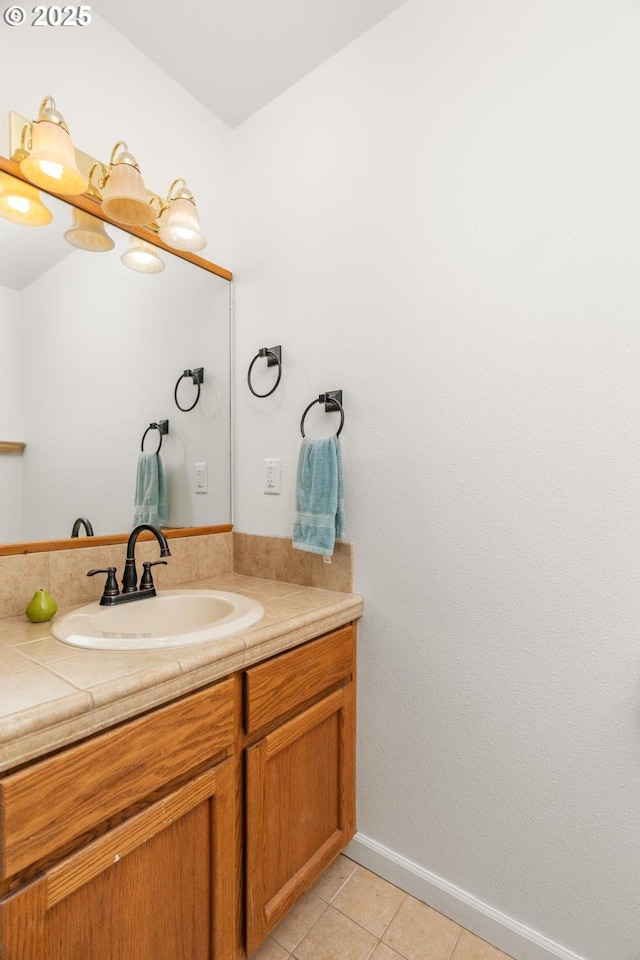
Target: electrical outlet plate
{"points": [[271, 479], [202, 477]]}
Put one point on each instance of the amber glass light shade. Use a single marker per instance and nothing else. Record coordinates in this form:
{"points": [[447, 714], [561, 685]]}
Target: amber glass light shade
{"points": [[88, 233], [21, 203], [142, 257], [180, 227], [51, 162], [124, 198]]}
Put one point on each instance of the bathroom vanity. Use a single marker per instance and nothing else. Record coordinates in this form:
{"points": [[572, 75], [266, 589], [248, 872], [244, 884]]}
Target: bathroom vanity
{"points": [[187, 831]]}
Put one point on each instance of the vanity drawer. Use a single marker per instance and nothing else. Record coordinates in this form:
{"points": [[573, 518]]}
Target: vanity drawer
{"points": [[275, 688], [54, 801]]}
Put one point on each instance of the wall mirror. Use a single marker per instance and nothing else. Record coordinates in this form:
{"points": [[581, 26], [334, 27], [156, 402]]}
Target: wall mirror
{"points": [[90, 355]]}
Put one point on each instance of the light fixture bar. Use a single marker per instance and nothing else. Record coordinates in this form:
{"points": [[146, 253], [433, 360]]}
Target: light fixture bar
{"points": [[91, 204], [117, 193]]}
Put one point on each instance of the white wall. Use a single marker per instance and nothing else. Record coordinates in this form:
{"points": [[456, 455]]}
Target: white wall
{"points": [[11, 415], [443, 221]]}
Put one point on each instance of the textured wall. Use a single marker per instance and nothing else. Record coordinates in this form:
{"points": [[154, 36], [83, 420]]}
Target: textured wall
{"points": [[443, 221]]}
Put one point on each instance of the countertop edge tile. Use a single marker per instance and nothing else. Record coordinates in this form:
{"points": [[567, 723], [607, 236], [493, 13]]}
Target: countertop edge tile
{"points": [[210, 673], [298, 633], [122, 688], [36, 723], [110, 714]]}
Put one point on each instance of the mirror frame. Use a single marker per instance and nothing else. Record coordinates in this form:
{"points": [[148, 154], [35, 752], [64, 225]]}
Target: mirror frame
{"points": [[92, 205]]}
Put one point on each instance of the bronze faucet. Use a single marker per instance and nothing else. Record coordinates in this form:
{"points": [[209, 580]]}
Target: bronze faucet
{"points": [[130, 590]]}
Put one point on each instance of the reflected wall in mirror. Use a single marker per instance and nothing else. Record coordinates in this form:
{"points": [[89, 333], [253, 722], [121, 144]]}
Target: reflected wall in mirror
{"points": [[90, 354]]}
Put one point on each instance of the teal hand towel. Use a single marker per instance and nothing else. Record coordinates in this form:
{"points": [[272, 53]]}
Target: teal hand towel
{"points": [[319, 515], [151, 494]]}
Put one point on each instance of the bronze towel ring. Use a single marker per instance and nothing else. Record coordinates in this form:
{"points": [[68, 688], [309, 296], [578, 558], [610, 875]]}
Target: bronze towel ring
{"points": [[332, 401], [162, 427]]}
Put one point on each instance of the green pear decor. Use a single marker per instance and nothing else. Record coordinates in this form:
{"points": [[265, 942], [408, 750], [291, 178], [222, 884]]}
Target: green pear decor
{"points": [[41, 607]]}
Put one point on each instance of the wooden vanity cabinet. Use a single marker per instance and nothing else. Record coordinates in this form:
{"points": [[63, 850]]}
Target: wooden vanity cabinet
{"points": [[130, 838], [300, 774], [129, 845]]}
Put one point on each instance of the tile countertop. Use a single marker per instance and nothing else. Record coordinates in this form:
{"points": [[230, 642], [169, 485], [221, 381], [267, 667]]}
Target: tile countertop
{"points": [[53, 694]]}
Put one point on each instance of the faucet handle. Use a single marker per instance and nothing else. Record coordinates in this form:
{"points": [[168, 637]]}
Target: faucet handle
{"points": [[147, 580], [111, 586]]}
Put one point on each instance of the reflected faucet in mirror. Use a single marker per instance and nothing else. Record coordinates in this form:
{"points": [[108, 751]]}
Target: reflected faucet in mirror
{"points": [[130, 591], [82, 522]]}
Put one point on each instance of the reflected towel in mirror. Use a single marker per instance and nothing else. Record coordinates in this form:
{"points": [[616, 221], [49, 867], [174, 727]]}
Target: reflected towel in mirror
{"points": [[151, 494]]}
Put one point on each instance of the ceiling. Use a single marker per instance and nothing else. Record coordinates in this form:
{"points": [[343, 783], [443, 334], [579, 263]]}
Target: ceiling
{"points": [[235, 56]]}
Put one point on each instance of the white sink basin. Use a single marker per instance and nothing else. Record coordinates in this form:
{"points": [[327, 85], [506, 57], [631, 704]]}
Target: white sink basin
{"points": [[174, 618]]}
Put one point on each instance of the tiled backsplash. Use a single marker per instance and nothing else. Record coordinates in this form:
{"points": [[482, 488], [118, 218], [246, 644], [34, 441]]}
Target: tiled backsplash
{"points": [[275, 559], [63, 573]]}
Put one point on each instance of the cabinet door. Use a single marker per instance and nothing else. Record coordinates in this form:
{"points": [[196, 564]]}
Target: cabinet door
{"points": [[161, 885], [300, 795]]}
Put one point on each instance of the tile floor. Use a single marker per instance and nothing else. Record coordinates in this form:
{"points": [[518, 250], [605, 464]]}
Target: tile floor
{"points": [[352, 914]]}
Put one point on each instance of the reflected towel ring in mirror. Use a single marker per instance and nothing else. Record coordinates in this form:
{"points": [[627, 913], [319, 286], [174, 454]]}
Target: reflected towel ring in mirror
{"points": [[197, 375], [332, 400], [162, 426], [274, 356]]}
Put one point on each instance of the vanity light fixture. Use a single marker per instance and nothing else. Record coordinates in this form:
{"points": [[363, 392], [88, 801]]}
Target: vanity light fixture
{"points": [[50, 160], [88, 233], [21, 203], [47, 158], [124, 197], [178, 220], [142, 257]]}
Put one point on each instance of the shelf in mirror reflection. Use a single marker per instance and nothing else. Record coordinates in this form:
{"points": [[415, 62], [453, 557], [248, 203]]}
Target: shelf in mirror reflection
{"points": [[11, 446]]}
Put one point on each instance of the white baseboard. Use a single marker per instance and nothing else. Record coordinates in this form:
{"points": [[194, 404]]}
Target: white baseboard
{"points": [[505, 933]]}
